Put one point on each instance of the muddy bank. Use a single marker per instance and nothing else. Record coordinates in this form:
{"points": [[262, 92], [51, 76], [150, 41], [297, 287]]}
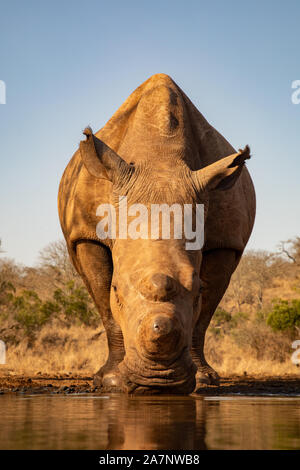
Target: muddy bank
{"points": [[68, 384]]}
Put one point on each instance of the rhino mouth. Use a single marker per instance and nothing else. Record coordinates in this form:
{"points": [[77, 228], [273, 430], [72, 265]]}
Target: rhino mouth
{"points": [[175, 378]]}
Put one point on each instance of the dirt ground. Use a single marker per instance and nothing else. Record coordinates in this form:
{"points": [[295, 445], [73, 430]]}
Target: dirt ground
{"points": [[67, 384]]}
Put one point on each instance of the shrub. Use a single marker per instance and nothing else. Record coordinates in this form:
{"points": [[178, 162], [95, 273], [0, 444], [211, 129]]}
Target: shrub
{"points": [[285, 316], [74, 303], [222, 322], [31, 312]]}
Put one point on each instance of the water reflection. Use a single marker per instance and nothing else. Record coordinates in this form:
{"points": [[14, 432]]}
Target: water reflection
{"points": [[155, 423], [120, 422]]}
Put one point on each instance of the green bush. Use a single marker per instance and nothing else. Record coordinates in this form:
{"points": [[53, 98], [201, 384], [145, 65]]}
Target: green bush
{"points": [[221, 317], [71, 305], [31, 312], [74, 303], [285, 316], [222, 322]]}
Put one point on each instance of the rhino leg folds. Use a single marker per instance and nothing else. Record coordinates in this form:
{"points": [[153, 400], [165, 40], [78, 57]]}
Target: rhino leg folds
{"points": [[95, 266], [216, 270]]}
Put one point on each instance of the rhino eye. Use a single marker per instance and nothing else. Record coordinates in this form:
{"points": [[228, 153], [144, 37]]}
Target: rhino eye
{"points": [[114, 288]]}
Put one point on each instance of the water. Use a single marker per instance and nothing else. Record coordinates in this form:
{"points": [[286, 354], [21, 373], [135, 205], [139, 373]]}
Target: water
{"points": [[120, 422]]}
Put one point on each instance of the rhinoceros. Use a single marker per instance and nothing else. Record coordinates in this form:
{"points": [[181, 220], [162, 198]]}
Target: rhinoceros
{"points": [[155, 297]]}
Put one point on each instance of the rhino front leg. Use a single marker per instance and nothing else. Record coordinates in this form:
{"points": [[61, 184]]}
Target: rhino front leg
{"points": [[95, 266], [216, 270]]}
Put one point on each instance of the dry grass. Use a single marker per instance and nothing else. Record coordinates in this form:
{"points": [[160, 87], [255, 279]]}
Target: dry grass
{"points": [[250, 346], [82, 350], [230, 359], [61, 350]]}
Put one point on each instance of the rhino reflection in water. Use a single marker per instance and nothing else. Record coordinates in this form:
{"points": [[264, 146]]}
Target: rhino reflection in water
{"points": [[156, 298], [158, 423]]}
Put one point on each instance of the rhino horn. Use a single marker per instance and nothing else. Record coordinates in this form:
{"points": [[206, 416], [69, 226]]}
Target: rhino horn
{"points": [[100, 160], [223, 173]]}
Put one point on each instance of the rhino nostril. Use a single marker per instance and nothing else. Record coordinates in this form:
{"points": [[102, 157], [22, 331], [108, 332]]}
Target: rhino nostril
{"points": [[160, 334], [162, 325]]}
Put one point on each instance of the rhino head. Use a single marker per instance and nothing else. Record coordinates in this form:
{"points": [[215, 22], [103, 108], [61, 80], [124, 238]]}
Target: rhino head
{"points": [[156, 285]]}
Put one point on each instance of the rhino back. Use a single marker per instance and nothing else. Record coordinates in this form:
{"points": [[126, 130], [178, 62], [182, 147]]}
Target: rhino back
{"points": [[158, 124]]}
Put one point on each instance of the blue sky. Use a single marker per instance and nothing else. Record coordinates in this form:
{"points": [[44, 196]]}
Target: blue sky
{"points": [[67, 64]]}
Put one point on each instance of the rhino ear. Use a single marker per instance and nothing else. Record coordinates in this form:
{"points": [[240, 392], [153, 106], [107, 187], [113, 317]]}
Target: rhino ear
{"points": [[100, 160], [222, 174]]}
